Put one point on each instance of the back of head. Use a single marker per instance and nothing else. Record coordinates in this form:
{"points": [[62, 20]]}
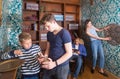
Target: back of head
{"points": [[24, 36], [47, 18]]}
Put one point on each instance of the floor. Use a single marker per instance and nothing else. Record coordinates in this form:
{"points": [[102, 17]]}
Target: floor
{"points": [[88, 75]]}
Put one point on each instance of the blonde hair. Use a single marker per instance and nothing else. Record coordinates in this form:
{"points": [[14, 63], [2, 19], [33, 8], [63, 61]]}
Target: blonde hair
{"points": [[24, 36], [79, 40]]}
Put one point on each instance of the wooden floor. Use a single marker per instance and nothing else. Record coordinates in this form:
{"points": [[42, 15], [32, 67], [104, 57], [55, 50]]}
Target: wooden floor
{"points": [[88, 75]]}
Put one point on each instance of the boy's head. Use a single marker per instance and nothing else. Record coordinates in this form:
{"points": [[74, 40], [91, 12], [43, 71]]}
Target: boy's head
{"points": [[48, 20], [25, 40]]}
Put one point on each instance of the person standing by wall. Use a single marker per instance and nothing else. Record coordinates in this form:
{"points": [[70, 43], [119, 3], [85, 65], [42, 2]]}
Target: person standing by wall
{"points": [[58, 50], [96, 45]]}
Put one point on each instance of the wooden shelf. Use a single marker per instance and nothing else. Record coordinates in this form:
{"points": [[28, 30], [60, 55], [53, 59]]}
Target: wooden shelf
{"points": [[54, 11], [30, 20], [64, 9], [30, 10], [52, 1]]}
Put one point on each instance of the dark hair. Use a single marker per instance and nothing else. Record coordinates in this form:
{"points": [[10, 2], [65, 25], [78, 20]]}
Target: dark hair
{"points": [[87, 21], [47, 18]]}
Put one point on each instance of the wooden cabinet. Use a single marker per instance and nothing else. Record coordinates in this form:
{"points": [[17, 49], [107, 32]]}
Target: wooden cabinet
{"points": [[30, 17], [66, 12], [68, 9]]}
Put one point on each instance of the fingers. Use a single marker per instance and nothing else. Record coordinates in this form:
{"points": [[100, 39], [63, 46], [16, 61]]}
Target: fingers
{"points": [[41, 59], [18, 52], [45, 63], [45, 66], [41, 55], [50, 59]]}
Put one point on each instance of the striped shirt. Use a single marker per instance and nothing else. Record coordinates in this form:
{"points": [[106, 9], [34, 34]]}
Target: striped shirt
{"points": [[31, 64]]}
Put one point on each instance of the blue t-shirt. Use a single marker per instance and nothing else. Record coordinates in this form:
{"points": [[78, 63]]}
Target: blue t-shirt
{"points": [[57, 42]]}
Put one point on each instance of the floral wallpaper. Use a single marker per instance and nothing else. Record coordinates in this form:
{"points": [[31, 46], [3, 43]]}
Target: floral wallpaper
{"points": [[11, 24], [103, 13]]}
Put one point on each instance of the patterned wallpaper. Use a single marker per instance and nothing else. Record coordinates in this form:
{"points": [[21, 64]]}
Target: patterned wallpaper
{"points": [[11, 24], [103, 13]]}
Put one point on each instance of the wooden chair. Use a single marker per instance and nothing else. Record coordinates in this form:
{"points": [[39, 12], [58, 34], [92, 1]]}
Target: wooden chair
{"points": [[8, 68]]}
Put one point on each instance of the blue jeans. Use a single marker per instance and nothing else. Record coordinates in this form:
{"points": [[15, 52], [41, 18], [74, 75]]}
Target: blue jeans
{"points": [[97, 48], [60, 72], [34, 76], [78, 65]]}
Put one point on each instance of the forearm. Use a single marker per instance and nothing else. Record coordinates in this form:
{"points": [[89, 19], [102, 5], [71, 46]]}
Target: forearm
{"points": [[67, 55], [64, 58], [93, 36], [46, 53], [47, 49]]}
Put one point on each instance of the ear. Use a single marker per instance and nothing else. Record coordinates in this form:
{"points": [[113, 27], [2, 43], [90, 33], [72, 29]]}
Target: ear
{"points": [[19, 43]]}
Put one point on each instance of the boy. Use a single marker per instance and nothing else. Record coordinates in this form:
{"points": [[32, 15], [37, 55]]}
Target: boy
{"points": [[59, 49], [29, 53]]}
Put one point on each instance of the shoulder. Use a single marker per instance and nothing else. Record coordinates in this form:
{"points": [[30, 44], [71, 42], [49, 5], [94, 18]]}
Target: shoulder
{"points": [[35, 46], [65, 32], [81, 45]]}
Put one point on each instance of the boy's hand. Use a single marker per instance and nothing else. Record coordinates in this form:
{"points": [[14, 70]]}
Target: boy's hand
{"points": [[41, 57], [17, 52]]}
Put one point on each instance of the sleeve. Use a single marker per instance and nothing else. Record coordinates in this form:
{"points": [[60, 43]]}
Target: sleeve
{"points": [[66, 36], [83, 50], [8, 55], [39, 49]]}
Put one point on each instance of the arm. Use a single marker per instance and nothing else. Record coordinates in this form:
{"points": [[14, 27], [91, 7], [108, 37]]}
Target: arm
{"points": [[47, 49], [83, 52], [51, 64], [45, 56], [67, 55], [101, 29], [8, 55], [96, 37]]}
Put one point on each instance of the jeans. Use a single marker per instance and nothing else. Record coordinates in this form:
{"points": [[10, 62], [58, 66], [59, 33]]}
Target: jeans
{"points": [[60, 72], [96, 46], [35, 76], [78, 65]]}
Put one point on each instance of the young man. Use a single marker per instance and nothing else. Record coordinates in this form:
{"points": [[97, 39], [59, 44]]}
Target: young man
{"points": [[96, 45], [58, 51], [28, 52]]}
